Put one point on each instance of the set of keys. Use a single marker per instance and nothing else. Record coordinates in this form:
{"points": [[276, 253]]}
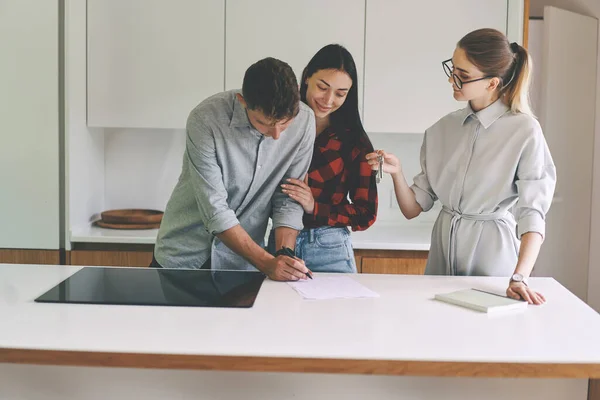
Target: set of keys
{"points": [[380, 170]]}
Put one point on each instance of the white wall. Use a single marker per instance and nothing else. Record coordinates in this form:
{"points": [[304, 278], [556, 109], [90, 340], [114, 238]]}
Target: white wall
{"points": [[536, 36], [407, 147], [84, 147], [585, 7], [591, 8]]}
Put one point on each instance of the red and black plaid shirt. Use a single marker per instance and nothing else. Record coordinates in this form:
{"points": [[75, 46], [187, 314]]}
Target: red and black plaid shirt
{"points": [[336, 171]]}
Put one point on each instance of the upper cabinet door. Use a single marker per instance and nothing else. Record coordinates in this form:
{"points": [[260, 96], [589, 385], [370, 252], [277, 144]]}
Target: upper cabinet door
{"points": [[406, 90], [291, 31], [150, 62]]}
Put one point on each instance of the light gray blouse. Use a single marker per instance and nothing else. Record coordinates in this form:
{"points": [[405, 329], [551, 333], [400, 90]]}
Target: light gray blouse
{"points": [[495, 177]]}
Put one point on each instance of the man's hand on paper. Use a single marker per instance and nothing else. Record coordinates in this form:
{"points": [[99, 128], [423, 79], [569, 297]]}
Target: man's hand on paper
{"points": [[284, 268]]}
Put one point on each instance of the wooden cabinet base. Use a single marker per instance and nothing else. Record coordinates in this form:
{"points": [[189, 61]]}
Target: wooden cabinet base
{"points": [[594, 389], [358, 260], [367, 261], [26, 256], [128, 255], [382, 265], [406, 262], [111, 255], [110, 258]]}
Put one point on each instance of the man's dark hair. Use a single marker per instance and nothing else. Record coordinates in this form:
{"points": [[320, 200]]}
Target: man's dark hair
{"points": [[270, 86]]}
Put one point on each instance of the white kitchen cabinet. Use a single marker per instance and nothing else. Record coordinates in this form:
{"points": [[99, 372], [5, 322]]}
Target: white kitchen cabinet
{"points": [[29, 125], [150, 62], [291, 31], [134, 64], [566, 105], [406, 90]]}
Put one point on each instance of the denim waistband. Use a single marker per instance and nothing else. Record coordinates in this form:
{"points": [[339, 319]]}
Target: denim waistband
{"points": [[312, 233]]}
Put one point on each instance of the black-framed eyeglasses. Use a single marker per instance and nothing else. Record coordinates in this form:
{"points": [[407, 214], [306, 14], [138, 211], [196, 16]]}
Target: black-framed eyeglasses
{"points": [[449, 70]]}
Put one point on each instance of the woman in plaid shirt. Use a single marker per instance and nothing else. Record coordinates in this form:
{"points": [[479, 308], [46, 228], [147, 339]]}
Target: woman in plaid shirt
{"points": [[340, 189]]}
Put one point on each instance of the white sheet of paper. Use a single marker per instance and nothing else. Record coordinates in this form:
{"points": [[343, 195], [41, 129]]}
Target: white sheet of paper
{"points": [[331, 287]]}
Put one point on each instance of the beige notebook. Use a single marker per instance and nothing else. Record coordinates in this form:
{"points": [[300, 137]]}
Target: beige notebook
{"points": [[480, 300]]}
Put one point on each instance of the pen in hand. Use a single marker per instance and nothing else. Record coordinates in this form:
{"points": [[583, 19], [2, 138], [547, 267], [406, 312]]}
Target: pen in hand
{"points": [[288, 252]]}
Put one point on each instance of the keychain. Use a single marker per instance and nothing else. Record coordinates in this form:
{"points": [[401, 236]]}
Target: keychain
{"points": [[380, 170]]}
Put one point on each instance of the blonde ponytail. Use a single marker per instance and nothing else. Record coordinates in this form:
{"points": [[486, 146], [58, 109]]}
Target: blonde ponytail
{"points": [[516, 92]]}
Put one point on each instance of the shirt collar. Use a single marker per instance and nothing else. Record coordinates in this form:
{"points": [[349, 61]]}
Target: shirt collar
{"points": [[488, 115], [239, 118]]}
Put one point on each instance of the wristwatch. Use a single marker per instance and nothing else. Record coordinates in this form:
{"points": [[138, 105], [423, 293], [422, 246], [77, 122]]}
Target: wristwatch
{"points": [[518, 278], [285, 251]]}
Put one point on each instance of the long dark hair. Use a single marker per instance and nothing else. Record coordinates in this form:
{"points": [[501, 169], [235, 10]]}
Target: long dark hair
{"points": [[335, 56], [490, 51]]}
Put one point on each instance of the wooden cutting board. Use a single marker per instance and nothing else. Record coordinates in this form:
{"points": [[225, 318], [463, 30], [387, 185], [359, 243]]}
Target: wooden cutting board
{"points": [[109, 225], [131, 216]]}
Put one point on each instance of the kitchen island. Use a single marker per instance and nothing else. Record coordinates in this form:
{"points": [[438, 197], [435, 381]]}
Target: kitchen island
{"points": [[403, 344]]}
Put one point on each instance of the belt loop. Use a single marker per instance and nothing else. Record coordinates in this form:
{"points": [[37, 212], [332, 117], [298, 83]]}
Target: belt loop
{"points": [[311, 235]]}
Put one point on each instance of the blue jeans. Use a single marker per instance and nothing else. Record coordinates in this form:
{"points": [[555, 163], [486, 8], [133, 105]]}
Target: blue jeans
{"points": [[324, 249]]}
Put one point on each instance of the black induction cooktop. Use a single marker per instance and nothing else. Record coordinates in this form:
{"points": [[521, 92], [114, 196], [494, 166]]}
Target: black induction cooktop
{"points": [[157, 287]]}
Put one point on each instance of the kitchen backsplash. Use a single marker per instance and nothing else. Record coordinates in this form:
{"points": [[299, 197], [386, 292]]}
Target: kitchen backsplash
{"points": [[142, 167], [407, 147]]}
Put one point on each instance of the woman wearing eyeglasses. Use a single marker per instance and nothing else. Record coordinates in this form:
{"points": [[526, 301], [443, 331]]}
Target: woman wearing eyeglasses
{"points": [[479, 162]]}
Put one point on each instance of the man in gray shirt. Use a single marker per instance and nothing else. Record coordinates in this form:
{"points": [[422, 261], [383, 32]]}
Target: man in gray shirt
{"points": [[241, 146]]}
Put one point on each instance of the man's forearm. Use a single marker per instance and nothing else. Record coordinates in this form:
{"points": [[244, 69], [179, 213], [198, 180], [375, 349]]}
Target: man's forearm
{"points": [[238, 240], [285, 236]]}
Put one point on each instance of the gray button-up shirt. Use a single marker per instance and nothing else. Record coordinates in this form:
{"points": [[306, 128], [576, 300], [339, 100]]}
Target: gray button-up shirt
{"points": [[494, 175], [231, 175]]}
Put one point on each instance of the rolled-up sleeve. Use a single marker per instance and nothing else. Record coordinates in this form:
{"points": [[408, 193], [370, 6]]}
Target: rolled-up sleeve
{"points": [[536, 182], [424, 194], [286, 211], [207, 179]]}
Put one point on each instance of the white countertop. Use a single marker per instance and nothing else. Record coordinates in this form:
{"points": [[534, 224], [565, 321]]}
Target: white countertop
{"points": [[94, 234], [405, 323], [391, 237], [378, 237]]}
